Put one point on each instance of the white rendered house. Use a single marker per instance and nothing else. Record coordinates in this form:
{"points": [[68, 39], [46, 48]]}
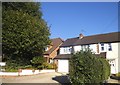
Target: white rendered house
{"points": [[106, 45]]}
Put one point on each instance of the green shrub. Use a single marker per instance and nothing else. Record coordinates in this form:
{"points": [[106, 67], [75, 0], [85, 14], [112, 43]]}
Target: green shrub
{"points": [[37, 62], [85, 67], [40, 67], [10, 69], [105, 68], [11, 66], [26, 67], [48, 65], [118, 74]]}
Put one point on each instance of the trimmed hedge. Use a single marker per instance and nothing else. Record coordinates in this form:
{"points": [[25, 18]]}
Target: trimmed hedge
{"points": [[85, 67]]}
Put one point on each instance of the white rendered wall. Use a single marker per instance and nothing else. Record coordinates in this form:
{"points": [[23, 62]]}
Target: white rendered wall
{"points": [[77, 48], [118, 57], [114, 53], [93, 48]]}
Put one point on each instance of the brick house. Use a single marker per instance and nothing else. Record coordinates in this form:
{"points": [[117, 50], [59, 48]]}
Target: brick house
{"points": [[52, 50]]}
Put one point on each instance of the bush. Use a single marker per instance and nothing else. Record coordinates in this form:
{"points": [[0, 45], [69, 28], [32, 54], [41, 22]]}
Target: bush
{"points": [[105, 68], [118, 74], [85, 67], [26, 67], [37, 62], [11, 66], [48, 66], [40, 67]]}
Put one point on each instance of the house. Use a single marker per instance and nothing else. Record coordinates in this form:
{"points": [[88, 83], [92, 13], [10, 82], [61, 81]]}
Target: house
{"points": [[52, 50], [105, 45]]}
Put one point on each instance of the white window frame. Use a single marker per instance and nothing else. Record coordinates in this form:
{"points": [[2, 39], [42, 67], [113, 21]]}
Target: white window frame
{"points": [[102, 47], [109, 47]]}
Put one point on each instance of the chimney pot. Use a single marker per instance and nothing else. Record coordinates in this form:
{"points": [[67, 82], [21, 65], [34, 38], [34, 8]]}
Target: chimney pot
{"points": [[81, 36]]}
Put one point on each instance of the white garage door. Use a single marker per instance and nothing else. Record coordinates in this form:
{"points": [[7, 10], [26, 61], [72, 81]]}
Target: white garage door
{"points": [[63, 66]]}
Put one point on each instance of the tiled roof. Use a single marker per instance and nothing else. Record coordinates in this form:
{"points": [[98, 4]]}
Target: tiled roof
{"points": [[100, 38], [55, 43], [69, 42]]}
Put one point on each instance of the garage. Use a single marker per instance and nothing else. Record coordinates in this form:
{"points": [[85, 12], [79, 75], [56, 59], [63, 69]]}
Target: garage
{"points": [[63, 66], [63, 62]]}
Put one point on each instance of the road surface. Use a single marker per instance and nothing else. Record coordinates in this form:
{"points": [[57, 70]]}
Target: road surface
{"points": [[39, 78]]}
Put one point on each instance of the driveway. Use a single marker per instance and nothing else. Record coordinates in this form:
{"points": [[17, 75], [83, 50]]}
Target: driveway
{"points": [[39, 78], [54, 77]]}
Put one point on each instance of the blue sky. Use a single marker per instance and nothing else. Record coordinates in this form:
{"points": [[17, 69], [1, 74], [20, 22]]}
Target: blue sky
{"points": [[69, 19]]}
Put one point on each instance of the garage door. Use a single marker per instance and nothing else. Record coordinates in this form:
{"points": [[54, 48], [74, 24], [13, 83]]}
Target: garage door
{"points": [[63, 66]]}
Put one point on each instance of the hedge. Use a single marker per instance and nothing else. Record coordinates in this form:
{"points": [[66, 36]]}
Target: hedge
{"points": [[85, 67]]}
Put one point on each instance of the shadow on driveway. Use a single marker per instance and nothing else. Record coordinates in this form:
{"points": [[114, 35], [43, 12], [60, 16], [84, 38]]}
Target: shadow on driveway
{"points": [[62, 79]]}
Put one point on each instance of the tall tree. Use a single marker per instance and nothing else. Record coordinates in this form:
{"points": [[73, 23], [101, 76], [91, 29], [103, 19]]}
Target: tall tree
{"points": [[24, 33]]}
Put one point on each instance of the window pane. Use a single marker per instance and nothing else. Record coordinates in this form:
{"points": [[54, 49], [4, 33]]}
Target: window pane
{"points": [[102, 48], [109, 47], [102, 44]]}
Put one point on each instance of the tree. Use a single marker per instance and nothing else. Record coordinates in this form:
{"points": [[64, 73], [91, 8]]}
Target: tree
{"points": [[86, 68], [25, 34]]}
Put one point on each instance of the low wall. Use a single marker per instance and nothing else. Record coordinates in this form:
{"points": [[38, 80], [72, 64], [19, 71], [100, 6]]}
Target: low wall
{"points": [[25, 72], [47, 71], [28, 72], [8, 73]]}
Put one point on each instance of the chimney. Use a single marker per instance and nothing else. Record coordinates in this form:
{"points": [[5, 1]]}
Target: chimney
{"points": [[81, 36]]}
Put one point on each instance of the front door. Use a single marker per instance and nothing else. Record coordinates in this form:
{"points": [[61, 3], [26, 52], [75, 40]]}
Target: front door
{"points": [[112, 66]]}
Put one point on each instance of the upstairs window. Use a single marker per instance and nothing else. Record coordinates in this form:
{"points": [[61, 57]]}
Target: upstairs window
{"points": [[67, 49], [102, 47], [109, 47], [84, 47]]}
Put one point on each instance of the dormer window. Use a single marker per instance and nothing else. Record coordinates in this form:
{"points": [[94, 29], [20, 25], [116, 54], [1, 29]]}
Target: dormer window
{"points": [[102, 47], [46, 49], [109, 47]]}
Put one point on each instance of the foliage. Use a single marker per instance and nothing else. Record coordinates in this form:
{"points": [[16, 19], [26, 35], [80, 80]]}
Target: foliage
{"points": [[118, 74], [39, 67], [48, 65], [37, 62], [105, 68], [85, 67], [12, 66], [28, 7], [25, 34]]}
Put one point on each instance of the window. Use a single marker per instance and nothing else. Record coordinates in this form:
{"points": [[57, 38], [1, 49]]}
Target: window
{"points": [[67, 49], [84, 47], [109, 47], [102, 46], [46, 49]]}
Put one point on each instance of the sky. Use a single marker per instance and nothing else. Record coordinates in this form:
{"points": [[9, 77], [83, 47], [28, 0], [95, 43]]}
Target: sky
{"points": [[69, 19]]}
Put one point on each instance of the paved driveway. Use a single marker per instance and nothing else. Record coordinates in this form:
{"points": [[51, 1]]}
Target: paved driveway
{"points": [[39, 78], [53, 77]]}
